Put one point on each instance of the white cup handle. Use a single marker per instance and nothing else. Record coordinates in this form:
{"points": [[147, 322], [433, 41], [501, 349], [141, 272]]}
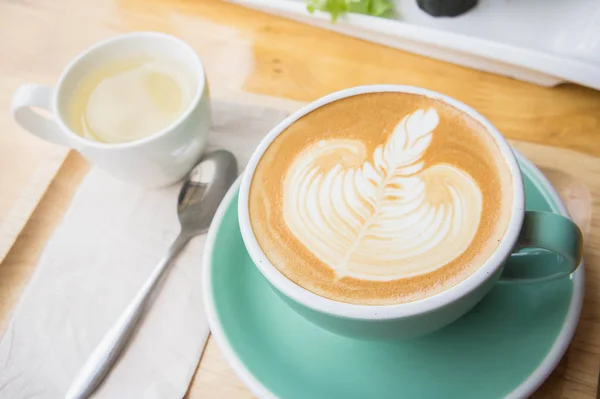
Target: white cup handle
{"points": [[25, 99]]}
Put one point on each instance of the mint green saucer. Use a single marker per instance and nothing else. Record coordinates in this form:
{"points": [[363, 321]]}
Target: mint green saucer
{"points": [[505, 347]]}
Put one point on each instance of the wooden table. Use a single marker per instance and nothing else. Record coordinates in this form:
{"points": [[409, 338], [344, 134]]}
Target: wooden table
{"points": [[245, 50]]}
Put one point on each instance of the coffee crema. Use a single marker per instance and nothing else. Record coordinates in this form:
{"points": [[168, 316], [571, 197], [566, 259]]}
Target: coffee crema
{"points": [[381, 198]]}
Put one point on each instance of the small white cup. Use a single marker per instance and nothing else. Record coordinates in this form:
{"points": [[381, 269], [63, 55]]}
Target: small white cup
{"points": [[157, 160]]}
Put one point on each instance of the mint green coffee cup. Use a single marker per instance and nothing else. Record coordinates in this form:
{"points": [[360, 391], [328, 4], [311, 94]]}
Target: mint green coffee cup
{"points": [[529, 237]]}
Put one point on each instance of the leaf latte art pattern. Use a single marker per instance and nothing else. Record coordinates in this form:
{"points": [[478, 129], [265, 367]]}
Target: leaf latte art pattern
{"points": [[383, 220]]}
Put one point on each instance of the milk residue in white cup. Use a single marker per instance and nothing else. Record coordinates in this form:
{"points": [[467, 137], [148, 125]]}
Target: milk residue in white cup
{"points": [[128, 99]]}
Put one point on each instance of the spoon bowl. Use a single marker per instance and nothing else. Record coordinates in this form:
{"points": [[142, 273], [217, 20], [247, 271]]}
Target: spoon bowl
{"points": [[203, 191]]}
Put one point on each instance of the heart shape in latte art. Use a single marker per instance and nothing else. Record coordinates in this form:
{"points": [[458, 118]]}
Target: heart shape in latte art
{"points": [[383, 220]]}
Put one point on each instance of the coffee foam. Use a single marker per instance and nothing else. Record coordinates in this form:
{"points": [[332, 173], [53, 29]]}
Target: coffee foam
{"points": [[380, 198]]}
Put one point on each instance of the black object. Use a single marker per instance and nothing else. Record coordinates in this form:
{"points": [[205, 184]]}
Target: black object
{"points": [[446, 8]]}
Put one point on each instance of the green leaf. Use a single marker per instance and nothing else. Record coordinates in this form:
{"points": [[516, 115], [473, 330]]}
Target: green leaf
{"points": [[381, 8], [377, 8], [333, 7], [358, 6]]}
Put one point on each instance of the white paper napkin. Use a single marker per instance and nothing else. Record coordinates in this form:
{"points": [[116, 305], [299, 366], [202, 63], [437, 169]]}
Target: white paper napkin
{"points": [[110, 239]]}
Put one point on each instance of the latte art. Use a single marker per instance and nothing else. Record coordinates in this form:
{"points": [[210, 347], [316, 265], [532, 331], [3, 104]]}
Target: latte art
{"points": [[387, 219], [380, 198]]}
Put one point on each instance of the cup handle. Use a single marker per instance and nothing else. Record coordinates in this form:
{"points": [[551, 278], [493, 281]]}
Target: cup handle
{"points": [[28, 97], [549, 247]]}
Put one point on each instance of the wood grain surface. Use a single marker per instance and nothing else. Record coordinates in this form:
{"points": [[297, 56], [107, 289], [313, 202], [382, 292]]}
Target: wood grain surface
{"points": [[247, 51]]}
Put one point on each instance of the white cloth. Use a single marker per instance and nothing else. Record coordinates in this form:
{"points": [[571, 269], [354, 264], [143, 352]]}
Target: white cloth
{"points": [[110, 239]]}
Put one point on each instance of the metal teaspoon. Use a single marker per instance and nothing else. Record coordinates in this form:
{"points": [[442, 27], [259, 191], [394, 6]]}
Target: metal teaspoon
{"points": [[198, 201]]}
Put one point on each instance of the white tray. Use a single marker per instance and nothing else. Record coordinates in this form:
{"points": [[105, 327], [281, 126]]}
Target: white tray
{"points": [[543, 42]]}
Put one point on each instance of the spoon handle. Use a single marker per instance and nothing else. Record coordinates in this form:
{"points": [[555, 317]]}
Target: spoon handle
{"points": [[106, 353]]}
